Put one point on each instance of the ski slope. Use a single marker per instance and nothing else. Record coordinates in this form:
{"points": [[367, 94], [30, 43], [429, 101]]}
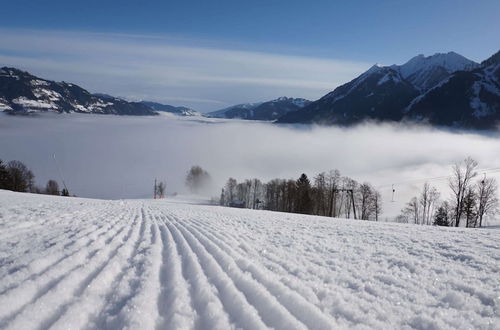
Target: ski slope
{"points": [[145, 264]]}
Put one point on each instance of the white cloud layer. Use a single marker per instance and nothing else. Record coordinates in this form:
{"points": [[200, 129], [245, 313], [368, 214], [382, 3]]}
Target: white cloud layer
{"points": [[168, 70], [119, 157]]}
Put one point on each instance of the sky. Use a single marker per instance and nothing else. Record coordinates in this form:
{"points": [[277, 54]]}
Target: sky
{"points": [[212, 54]]}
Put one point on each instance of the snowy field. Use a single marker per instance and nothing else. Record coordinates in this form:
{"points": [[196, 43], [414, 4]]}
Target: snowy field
{"points": [[144, 264]]}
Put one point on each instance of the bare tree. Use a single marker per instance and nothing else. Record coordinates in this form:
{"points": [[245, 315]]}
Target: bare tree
{"points": [[433, 199], [411, 211], [258, 193], [197, 179], [424, 201], [230, 190], [52, 188], [350, 186], [402, 218], [463, 173], [290, 195], [421, 209], [22, 179], [273, 195], [5, 177], [377, 204], [319, 193], [428, 198], [160, 189], [487, 192], [366, 199]]}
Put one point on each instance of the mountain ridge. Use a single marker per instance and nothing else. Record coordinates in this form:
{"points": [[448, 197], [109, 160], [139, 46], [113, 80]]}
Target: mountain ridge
{"points": [[177, 110], [418, 90], [23, 93], [268, 110]]}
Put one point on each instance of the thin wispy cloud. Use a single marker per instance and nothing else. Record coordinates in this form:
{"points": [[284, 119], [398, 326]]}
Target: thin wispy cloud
{"points": [[171, 69]]}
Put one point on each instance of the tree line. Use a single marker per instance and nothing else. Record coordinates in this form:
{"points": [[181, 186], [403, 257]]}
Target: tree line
{"points": [[471, 199], [16, 176], [329, 194]]}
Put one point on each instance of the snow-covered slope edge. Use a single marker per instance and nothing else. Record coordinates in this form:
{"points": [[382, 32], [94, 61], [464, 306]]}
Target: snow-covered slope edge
{"points": [[81, 263]]}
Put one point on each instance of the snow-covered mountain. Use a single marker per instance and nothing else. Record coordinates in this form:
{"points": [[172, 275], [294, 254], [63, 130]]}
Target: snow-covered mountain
{"points": [[464, 99], [234, 110], [381, 92], [443, 89], [22, 93], [180, 111], [270, 110], [426, 72]]}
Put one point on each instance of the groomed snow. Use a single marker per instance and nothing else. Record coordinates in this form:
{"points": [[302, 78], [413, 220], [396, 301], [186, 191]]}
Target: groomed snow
{"points": [[144, 264]]}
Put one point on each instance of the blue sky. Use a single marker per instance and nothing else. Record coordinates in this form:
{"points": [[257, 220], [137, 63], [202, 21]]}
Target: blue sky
{"points": [[57, 38]]}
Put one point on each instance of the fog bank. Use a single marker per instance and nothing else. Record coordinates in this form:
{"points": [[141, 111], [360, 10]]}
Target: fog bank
{"points": [[119, 157]]}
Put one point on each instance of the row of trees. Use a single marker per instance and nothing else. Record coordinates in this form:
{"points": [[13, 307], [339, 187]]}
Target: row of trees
{"points": [[16, 176], [470, 201], [329, 194]]}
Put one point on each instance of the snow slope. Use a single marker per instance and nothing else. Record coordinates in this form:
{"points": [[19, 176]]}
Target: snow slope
{"points": [[450, 62], [145, 264]]}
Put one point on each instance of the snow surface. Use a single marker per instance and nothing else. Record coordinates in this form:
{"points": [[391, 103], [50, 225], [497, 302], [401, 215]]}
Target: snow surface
{"points": [[34, 104], [46, 93], [488, 82], [4, 105], [451, 62], [420, 71], [390, 76], [143, 264], [335, 96]]}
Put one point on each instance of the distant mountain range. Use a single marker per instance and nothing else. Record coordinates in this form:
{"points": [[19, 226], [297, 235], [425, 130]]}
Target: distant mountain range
{"points": [[443, 89], [180, 111], [24, 93], [270, 110]]}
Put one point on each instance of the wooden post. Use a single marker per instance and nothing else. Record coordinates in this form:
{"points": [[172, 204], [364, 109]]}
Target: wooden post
{"points": [[155, 190]]}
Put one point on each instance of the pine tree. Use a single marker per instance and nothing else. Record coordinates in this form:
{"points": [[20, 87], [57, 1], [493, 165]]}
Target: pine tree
{"points": [[470, 202], [303, 196], [441, 216]]}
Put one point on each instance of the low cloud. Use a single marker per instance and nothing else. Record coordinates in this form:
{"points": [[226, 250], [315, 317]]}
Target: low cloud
{"points": [[171, 70], [119, 157]]}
